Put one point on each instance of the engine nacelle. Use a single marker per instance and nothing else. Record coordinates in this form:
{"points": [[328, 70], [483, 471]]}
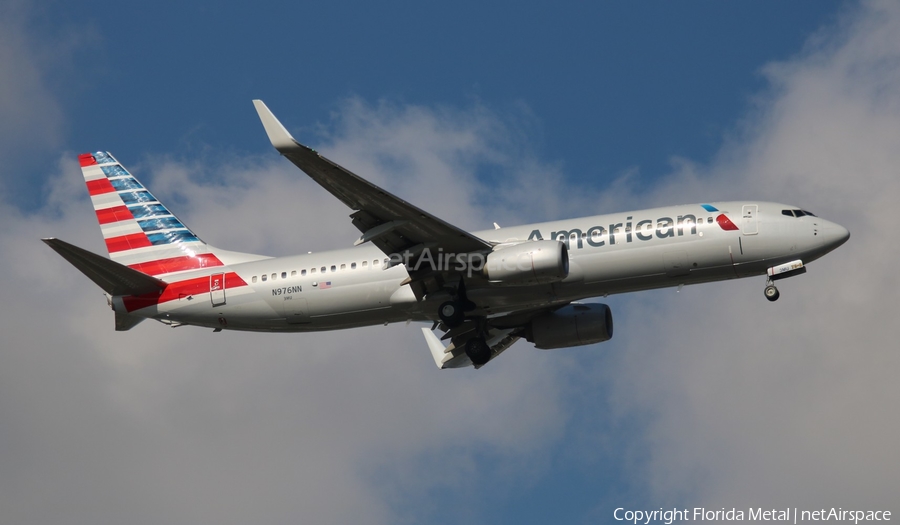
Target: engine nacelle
{"points": [[533, 262], [571, 325]]}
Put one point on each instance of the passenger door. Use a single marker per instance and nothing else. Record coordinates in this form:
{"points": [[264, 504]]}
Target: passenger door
{"points": [[749, 220], [217, 289]]}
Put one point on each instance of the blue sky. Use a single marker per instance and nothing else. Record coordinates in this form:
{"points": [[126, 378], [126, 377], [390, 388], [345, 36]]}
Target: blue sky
{"points": [[607, 86], [508, 112]]}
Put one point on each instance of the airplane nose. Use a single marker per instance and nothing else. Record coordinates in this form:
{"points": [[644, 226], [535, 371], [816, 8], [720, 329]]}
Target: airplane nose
{"points": [[835, 235]]}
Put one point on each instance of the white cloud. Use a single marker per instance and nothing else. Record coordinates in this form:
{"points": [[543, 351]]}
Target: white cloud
{"points": [[187, 425], [31, 115], [751, 403]]}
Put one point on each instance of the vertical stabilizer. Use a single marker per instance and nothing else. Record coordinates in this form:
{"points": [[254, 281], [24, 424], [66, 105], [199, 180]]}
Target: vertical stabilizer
{"points": [[139, 231]]}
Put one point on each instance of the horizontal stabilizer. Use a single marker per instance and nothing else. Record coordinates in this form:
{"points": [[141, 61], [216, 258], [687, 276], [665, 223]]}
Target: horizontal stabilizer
{"points": [[114, 278]]}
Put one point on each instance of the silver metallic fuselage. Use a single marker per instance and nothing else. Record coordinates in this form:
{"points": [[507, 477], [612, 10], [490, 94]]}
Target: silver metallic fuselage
{"points": [[609, 254]]}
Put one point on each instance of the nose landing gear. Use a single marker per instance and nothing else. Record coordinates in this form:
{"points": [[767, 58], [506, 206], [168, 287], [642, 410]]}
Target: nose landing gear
{"points": [[782, 271], [771, 292]]}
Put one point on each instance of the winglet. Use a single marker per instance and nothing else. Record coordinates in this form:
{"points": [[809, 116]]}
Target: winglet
{"points": [[438, 351], [278, 135]]}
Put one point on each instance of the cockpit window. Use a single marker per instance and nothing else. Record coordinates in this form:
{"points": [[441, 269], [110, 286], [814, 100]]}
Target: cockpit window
{"points": [[797, 213]]}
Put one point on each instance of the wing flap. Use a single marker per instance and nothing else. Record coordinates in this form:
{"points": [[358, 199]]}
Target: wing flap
{"points": [[454, 355]]}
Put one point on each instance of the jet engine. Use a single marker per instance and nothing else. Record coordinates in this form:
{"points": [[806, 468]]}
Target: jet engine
{"points": [[572, 325], [534, 262]]}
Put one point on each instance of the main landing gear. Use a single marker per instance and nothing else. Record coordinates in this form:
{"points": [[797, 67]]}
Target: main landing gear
{"points": [[452, 313], [478, 350], [771, 292]]}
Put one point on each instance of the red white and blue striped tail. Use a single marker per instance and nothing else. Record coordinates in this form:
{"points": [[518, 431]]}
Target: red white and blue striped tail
{"points": [[140, 232]]}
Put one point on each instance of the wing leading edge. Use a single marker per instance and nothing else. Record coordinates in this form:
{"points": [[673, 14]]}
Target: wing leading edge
{"points": [[389, 222], [397, 227]]}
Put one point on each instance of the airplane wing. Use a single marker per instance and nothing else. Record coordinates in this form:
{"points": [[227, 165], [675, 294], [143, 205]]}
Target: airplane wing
{"points": [[389, 222]]}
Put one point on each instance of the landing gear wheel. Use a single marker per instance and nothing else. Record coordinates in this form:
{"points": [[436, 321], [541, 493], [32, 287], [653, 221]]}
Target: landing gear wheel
{"points": [[772, 293], [478, 351], [451, 313]]}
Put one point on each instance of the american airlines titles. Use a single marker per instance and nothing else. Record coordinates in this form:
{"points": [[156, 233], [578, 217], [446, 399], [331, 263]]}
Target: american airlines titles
{"points": [[575, 238], [643, 230]]}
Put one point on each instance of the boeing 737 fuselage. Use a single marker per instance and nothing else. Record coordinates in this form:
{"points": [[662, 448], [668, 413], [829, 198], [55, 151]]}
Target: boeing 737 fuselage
{"points": [[484, 290]]}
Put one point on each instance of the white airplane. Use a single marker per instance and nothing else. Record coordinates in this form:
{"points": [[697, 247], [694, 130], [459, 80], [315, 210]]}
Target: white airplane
{"points": [[484, 290]]}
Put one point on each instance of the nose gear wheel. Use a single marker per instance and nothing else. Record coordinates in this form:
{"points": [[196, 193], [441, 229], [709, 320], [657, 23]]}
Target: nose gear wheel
{"points": [[771, 292]]}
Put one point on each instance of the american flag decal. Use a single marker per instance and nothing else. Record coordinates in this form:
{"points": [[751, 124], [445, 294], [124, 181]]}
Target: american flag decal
{"points": [[324, 286]]}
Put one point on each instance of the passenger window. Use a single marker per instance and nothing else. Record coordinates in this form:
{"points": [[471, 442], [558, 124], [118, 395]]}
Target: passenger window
{"points": [[254, 279], [323, 269], [312, 270], [293, 273], [343, 267], [302, 272], [709, 220], [274, 276], [352, 266], [375, 262], [264, 277], [333, 268], [284, 275], [365, 263]]}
